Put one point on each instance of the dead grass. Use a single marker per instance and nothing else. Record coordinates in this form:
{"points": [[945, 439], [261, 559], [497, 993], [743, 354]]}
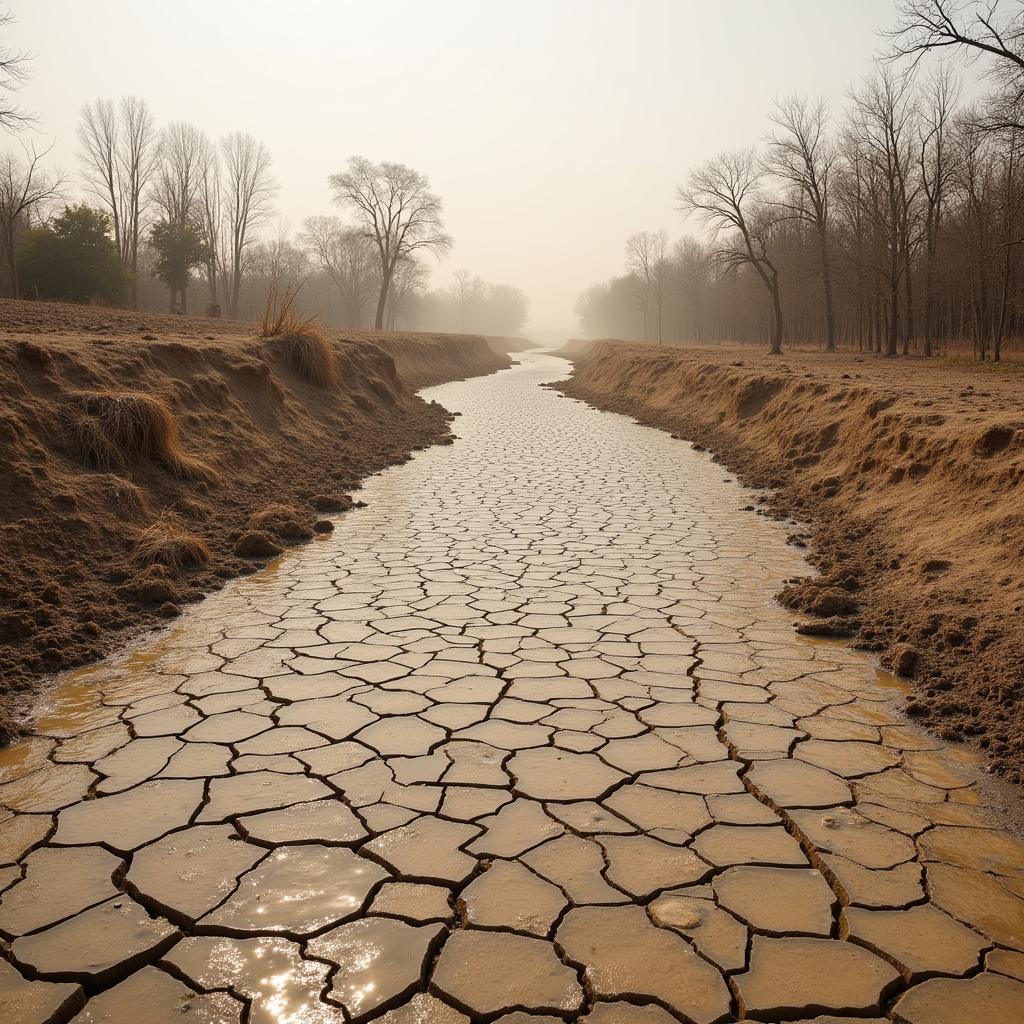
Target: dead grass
{"points": [[166, 542], [115, 429], [283, 521], [127, 499], [300, 338]]}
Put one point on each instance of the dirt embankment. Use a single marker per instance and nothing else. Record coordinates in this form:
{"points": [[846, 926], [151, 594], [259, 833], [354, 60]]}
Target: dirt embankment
{"points": [[424, 360], [911, 478], [144, 459], [508, 346]]}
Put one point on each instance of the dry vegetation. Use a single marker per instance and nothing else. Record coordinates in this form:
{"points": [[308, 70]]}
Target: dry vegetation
{"points": [[113, 430], [119, 440], [911, 478], [301, 338], [166, 542]]}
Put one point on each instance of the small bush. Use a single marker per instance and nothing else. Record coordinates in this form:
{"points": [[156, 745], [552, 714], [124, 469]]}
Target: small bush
{"points": [[167, 543], [300, 338], [117, 428]]}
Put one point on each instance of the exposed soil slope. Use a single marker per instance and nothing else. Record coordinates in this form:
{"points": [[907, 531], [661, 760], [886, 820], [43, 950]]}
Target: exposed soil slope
{"points": [[145, 458], [509, 345], [911, 476]]}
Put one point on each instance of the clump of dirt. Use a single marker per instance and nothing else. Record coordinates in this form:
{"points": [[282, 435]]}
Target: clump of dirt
{"points": [[910, 475], [124, 496]]}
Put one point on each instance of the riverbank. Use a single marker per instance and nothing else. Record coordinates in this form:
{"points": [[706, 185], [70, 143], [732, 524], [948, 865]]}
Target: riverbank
{"points": [[144, 459], [910, 478]]}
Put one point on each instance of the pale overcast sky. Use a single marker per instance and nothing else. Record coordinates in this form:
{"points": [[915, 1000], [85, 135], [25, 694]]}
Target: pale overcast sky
{"points": [[553, 129]]}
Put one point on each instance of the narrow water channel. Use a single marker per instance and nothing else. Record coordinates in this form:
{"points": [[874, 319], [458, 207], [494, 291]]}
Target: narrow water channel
{"points": [[527, 733]]}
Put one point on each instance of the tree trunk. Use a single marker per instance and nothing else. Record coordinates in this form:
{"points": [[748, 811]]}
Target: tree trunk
{"points": [[893, 327], [382, 299], [12, 263], [236, 291], [826, 280], [776, 345], [929, 287], [908, 292]]}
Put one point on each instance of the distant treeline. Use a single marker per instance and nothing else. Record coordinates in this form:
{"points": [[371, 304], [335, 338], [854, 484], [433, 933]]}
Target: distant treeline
{"points": [[175, 219], [896, 228]]}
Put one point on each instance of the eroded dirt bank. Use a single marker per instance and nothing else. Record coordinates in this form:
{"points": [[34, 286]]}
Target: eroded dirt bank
{"points": [[910, 478], [145, 458]]}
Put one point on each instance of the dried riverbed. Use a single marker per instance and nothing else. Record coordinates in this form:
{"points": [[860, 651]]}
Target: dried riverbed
{"points": [[525, 734]]}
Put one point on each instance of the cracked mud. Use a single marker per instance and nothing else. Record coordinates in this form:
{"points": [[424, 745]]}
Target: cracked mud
{"points": [[525, 740]]}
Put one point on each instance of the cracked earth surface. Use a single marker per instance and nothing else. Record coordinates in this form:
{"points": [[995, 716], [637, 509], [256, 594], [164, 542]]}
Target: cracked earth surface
{"points": [[525, 740]]}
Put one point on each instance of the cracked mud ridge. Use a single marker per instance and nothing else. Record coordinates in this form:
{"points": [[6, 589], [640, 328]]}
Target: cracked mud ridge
{"points": [[524, 740]]}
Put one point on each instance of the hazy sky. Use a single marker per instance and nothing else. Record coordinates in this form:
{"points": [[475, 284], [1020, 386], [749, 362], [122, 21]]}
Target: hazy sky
{"points": [[553, 129]]}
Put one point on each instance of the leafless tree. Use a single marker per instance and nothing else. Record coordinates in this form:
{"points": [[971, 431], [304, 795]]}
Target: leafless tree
{"points": [[24, 188], [645, 258], [725, 193], [396, 210], [184, 153], [247, 195], [346, 255], [407, 281], [885, 119], [120, 153], [463, 279], [211, 221], [938, 103], [13, 72], [802, 157], [689, 269], [977, 29]]}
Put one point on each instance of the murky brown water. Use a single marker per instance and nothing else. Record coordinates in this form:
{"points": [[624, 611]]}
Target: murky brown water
{"points": [[525, 734]]}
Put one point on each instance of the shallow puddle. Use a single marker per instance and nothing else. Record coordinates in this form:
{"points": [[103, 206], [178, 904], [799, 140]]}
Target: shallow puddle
{"points": [[526, 733]]}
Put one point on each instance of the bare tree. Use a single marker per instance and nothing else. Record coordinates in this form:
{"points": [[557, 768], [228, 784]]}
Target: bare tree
{"points": [[98, 135], [120, 151], [940, 95], [802, 157], [462, 283], [689, 269], [211, 221], [407, 281], [24, 187], [645, 258], [13, 72], [346, 255], [978, 29], [247, 195], [725, 193], [396, 210], [885, 120], [184, 152]]}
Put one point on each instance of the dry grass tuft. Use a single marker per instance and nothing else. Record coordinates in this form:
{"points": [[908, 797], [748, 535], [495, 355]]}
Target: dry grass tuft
{"points": [[283, 521], [93, 446], [117, 428], [124, 497], [300, 338], [166, 542]]}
